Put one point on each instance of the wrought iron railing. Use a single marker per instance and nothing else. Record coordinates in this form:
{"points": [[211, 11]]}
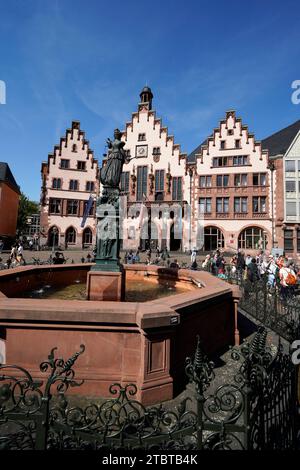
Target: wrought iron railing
{"points": [[257, 409], [266, 304]]}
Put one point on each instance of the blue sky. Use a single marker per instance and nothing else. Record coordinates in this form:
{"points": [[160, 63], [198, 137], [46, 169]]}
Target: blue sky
{"points": [[70, 60]]}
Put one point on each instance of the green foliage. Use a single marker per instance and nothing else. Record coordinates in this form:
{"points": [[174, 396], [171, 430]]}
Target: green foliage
{"points": [[26, 209]]}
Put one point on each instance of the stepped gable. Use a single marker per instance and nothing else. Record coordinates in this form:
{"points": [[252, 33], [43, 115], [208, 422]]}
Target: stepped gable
{"points": [[63, 143], [142, 108], [204, 148]]}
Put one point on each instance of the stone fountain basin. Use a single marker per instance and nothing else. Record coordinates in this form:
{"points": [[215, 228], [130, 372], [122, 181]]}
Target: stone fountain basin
{"points": [[145, 343]]}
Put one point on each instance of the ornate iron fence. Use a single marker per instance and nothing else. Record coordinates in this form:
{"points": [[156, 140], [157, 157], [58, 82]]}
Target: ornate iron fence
{"points": [[256, 410], [266, 303]]}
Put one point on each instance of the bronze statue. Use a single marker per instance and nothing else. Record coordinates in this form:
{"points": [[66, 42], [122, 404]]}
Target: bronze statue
{"points": [[110, 173]]}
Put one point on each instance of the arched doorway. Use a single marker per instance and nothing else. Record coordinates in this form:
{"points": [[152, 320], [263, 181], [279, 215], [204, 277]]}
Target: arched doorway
{"points": [[53, 237], [213, 239], [253, 238], [87, 237], [70, 236]]}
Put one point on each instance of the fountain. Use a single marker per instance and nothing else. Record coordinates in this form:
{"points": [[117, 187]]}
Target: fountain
{"points": [[143, 339]]}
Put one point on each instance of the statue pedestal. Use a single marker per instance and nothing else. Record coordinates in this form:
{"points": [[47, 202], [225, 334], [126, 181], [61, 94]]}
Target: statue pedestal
{"points": [[106, 285]]}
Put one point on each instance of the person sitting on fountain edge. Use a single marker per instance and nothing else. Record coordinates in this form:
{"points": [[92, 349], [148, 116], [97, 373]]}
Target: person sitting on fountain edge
{"points": [[58, 258]]}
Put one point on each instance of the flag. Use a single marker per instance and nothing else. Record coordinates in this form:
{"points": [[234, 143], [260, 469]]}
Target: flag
{"points": [[87, 210]]}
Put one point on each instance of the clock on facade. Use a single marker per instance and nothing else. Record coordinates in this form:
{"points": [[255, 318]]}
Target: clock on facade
{"points": [[141, 151]]}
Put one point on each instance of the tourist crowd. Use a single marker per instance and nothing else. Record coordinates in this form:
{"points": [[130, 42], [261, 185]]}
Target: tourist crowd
{"points": [[277, 270]]}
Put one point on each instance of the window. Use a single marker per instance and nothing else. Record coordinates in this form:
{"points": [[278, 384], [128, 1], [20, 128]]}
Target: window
{"points": [[73, 185], [70, 236], [263, 179], [259, 204], [288, 240], [205, 205], [125, 182], [230, 132], [259, 179], [81, 165], [222, 205], [141, 137], [241, 160], [159, 180], [74, 148], [156, 151], [222, 180], [142, 172], [127, 153], [291, 209], [220, 161], [205, 181], [56, 183], [90, 186], [290, 186], [238, 144], [65, 164], [72, 207], [54, 206], [240, 205], [240, 180], [298, 241], [87, 236], [177, 188], [252, 238], [222, 144], [290, 166]]}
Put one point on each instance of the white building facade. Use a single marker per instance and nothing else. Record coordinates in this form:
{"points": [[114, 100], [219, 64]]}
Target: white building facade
{"points": [[232, 189], [154, 183], [69, 181]]}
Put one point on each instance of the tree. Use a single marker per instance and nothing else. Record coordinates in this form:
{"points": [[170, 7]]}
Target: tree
{"points": [[26, 209]]}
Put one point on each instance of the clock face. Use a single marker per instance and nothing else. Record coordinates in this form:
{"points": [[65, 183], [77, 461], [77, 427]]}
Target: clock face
{"points": [[141, 150]]}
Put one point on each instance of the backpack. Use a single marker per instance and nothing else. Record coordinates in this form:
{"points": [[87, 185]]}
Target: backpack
{"points": [[291, 279]]}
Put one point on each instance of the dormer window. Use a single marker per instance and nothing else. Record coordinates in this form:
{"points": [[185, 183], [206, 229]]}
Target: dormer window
{"points": [[81, 165], [141, 137]]}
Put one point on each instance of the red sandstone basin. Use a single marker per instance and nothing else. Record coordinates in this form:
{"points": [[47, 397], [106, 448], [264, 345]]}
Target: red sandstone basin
{"points": [[142, 343]]}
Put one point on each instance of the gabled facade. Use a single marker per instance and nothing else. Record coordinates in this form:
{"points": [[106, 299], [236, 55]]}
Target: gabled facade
{"points": [[233, 189], [155, 176], [69, 178], [284, 151]]}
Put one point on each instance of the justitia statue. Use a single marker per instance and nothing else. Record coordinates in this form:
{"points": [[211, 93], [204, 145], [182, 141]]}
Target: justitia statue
{"points": [[110, 174], [108, 243]]}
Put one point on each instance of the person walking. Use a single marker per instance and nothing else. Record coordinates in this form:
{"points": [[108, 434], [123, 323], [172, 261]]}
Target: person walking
{"points": [[288, 281], [252, 271]]}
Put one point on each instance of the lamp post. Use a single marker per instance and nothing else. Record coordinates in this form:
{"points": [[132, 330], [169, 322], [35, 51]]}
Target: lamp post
{"points": [[190, 213], [54, 231], [272, 168]]}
